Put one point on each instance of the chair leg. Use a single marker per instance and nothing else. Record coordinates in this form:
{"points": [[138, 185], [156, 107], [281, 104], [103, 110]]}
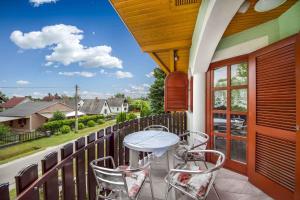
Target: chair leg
{"points": [[168, 190], [205, 164], [218, 196]]}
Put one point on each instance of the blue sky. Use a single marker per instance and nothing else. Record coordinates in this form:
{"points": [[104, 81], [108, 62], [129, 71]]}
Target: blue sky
{"points": [[60, 43]]}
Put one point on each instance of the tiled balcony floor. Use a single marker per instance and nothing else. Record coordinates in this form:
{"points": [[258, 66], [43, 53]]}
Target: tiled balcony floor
{"points": [[230, 186]]}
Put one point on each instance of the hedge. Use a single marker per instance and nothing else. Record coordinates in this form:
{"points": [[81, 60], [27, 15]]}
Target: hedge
{"points": [[54, 126]]}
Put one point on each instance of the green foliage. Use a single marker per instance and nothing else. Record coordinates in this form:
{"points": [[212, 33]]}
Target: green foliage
{"points": [[4, 130], [58, 115], [131, 116], [81, 126], [91, 123], [145, 111], [54, 126], [156, 95], [120, 95], [121, 117], [65, 129], [100, 121], [3, 97]]}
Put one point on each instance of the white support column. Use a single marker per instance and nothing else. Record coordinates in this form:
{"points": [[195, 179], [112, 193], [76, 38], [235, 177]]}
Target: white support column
{"points": [[199, 102]]}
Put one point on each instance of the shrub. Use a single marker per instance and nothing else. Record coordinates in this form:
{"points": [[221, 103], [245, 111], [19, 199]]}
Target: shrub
{"points": [[81, 126], [121, 117], [131, 116], [58, 115], [65, 129], [100, 121], [4, 129], [91, 123], [145, 112]]}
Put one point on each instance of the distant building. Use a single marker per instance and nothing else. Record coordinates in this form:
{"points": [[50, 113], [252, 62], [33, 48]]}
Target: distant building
{"points": [[29, 116], [95, 107], [51, 97], [117, 105], [14, 102], [71, 102]]}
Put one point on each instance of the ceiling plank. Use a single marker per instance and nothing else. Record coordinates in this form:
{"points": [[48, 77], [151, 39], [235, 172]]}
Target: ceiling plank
{"points": [[181, 44]]}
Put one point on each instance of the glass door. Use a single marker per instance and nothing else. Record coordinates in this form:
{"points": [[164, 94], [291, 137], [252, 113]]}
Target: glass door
{"points": [[229, 112]]}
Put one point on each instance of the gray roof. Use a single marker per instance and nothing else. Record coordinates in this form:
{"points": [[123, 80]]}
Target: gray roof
{"points": [[26, 109], [92, 106], [115, 102], [69, 102]]}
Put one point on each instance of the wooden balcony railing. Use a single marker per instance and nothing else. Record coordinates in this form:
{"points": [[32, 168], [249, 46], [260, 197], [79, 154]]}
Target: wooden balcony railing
{"points": [[71, 177]]}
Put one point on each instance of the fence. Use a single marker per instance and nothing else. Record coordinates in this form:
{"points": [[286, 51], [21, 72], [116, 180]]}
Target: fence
{"points": [[8, 139], [77, 179]]}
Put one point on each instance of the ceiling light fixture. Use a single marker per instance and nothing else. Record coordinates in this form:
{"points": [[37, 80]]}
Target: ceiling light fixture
{"points": [[266, 5], [244, 7]]}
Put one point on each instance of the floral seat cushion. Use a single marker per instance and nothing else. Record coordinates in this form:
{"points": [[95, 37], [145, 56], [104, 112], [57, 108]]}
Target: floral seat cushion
{"points": [[182, 153], [134, 180], [195, 184]]}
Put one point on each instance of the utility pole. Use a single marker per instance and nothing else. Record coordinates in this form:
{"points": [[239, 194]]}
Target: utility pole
{"points": [[76, 108]]}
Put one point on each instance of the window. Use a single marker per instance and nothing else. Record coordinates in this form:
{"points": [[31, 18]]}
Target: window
{"points": [[229, 106]]}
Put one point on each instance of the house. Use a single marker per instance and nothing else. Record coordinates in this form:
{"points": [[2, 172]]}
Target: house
{"points": [[71, 102], [29, 116], [95, 106], [13, 102], [233, 66], [117, 104]]}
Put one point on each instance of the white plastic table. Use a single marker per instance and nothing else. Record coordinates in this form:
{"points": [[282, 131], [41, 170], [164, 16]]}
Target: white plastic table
{"points": [[157, 142]]}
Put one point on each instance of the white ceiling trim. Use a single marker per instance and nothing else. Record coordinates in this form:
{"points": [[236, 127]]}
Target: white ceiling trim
{"points": [[216, 19]]}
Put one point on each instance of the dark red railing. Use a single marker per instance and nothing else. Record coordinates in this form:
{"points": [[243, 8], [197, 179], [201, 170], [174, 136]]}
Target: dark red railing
{"points": [[71, 177]]}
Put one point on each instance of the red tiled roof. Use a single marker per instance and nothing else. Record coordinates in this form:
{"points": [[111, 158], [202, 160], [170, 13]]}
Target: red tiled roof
{"points": [[12, 102]]}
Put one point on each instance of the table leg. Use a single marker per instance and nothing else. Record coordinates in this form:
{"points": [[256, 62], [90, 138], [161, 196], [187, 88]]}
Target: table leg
{"points": [[134, 158]]}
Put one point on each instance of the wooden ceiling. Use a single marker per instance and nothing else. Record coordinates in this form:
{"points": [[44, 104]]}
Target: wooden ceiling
{"points": [[164, 28]]}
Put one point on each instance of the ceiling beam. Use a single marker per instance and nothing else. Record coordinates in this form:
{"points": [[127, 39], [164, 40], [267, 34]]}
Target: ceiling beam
{"points": [[172, 61], [159, 62], [181, 44]]}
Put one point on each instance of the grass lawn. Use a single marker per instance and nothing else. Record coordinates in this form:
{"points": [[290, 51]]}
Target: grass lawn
{"points": [[20, 150]]}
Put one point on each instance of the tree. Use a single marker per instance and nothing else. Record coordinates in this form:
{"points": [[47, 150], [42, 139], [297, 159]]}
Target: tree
{"points": [[57, 115], [3, 97], [156, 95], [4, 129], [120, 95]]}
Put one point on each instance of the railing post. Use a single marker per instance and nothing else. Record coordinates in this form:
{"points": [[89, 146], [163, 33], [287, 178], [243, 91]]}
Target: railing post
{"points": [[109, 145], [51, 186], [121, 147], [4, 191], [91, 178], [24, 179], [100, 146], [67, 173], [80, 169], [116, 144]]}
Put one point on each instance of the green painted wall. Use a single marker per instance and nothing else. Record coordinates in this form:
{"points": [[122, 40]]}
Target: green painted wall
{"points": [[287, 24]]}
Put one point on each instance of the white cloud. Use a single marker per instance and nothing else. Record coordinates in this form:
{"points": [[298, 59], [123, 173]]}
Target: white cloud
{"points": [[37, 3], [22, 82], [150, 74], [83, 74], [102, 71], [137, 90], [94, 33], [146, 85], [64, 42], [93, 94], [121, 74]]}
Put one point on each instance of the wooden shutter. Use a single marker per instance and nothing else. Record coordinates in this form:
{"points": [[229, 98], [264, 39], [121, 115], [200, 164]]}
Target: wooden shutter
{"points": [[176, 92], [272, 117]]}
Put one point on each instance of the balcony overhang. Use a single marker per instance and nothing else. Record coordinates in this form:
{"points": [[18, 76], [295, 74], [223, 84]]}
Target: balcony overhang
{"points": [[164, 28]]}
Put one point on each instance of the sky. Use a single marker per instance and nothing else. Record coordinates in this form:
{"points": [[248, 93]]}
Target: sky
{"points": [[52, 45]]}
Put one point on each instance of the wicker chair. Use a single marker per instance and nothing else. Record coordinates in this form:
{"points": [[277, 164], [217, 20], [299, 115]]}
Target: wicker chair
{"points": [[195, 141], [121, 182], [193, 181]]}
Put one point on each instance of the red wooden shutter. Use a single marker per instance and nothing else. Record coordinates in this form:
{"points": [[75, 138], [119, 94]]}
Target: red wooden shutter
{"points": [[176, 92], [272, 117]]}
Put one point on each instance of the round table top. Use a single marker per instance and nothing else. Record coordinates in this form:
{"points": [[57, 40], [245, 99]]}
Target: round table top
{"points": [[150, 141]]}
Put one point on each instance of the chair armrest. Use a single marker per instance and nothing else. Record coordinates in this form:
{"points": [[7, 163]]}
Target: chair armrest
{"points": [[184, 134], [106, 158], [138, 169]]}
